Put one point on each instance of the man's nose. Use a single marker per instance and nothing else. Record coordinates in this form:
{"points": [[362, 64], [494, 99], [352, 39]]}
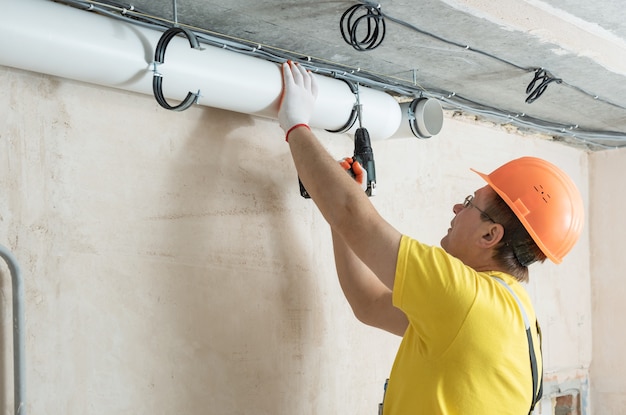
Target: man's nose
{"points": [[457, 208]]}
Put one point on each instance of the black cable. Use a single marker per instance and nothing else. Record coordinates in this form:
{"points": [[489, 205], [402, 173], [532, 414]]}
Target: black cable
{"points": [[453, 102], [355, 17], [533, 90], [370, 5], [534, 93]]}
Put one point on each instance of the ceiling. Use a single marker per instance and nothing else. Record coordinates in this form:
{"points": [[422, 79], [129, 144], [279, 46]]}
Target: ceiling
{"points": [[477, 56]]}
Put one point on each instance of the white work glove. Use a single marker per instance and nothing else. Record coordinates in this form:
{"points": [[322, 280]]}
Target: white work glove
{"points": [[355, 170], [298, 97]]}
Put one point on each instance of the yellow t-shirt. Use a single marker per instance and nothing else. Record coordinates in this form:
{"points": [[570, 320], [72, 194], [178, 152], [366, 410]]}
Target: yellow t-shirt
{"points": [[465, 350]]}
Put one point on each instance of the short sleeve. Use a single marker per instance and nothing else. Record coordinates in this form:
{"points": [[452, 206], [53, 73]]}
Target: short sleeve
{"points": [[435, 290]]}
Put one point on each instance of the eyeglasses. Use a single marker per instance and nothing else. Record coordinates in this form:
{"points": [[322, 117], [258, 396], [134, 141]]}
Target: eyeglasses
{"points": [[468, 202]]}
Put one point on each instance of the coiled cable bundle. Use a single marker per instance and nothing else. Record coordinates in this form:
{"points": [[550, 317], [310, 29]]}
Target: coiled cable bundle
{"points": [[358, 15], [535, 90]]}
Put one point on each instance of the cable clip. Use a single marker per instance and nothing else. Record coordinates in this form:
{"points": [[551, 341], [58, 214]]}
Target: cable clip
{"points": [[159, 58], [356, 109], [155, 71]]}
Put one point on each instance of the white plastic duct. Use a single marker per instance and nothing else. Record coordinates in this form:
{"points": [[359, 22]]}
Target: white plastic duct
{"points": [[54, 39], [422, 118]]}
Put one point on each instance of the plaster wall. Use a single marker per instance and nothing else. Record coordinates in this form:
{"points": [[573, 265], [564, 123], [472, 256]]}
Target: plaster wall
{"points": [[608, 369], [171, 265]]}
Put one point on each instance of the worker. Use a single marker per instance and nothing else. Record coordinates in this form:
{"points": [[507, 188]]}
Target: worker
{"points": [[470, 342]]}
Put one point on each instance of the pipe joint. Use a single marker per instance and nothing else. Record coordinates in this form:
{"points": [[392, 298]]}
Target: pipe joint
{"points": [[425, 117]]}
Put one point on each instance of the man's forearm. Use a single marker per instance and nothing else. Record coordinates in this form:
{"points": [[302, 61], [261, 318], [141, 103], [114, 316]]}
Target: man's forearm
{"points": [[345, 206], [359, 284], [342, 202], [332, 190], [370, 299]]}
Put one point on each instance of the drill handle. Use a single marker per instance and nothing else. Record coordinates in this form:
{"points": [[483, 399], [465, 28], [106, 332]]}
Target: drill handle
{"points": [[365, 156]]}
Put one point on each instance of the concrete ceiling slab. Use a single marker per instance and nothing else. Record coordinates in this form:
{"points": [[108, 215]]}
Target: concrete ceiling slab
{"points": [[582, 44]]}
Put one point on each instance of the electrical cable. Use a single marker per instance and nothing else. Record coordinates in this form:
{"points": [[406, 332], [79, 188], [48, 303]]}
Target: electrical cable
{"points": [[434, 36], [349, 25], [535, 92], [451, 101], [532, 97]]}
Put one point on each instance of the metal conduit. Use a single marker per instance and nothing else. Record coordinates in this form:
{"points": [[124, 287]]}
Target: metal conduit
{"points": [[19, 378]]}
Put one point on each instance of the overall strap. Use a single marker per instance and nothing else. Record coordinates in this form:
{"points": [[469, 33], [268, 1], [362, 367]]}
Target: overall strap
{"points": [[537, 379]]}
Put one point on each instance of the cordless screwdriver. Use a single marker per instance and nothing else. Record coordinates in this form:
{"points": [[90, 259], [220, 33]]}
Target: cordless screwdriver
{"points": [[365, 156]]}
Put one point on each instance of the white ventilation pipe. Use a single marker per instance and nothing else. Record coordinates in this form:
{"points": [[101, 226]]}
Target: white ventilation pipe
{"points": [[422, 118], [54, 39]]}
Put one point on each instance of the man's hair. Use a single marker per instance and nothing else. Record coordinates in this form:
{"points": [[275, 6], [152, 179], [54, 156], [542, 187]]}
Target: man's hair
{"points": [[517, 249]]}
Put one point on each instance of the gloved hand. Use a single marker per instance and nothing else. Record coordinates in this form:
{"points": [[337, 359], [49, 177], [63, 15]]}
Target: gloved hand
{"points": [[356, 170], [298, 97]]}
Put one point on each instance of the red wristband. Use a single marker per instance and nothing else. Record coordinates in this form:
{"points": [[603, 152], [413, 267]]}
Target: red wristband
{"points": [[293, 128]]}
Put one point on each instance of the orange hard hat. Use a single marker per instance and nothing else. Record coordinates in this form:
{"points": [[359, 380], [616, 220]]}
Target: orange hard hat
{"points": [[544, 199]]}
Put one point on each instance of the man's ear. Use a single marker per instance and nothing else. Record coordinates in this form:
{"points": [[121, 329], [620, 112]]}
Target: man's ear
{"points": [[492, 236]]}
